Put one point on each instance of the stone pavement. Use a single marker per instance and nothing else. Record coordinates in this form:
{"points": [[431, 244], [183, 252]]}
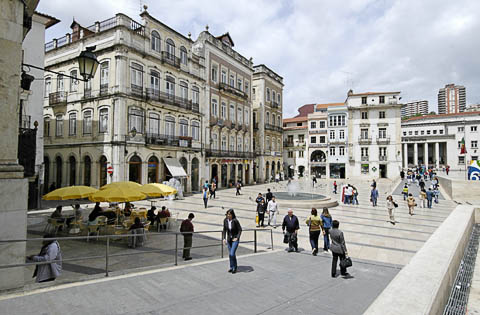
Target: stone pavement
{"points": [[270, 283]]}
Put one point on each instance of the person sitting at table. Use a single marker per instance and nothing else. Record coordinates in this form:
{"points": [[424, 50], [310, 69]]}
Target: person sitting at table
{"points": [[164, 214], [78, 212], [151, 215], [137, 224], [57, 213], [136, 228], [96, 212], [127, 211]]}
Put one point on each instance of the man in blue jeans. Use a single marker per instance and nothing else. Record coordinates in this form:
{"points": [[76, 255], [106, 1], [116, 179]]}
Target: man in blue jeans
{"points": [[290, 223], [429, 197]]}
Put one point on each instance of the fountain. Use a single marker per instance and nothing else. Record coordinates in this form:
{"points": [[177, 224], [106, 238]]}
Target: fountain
{"points": [[298, 195]]}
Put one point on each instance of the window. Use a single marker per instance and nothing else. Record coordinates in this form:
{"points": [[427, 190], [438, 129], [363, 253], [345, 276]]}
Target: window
{"points": [[253, 92], [364, 115], [232, 80], [364, 152], [224, 76], [322, 124], [313, 139], [301, 138], [410, 133], [273, 95], [267, 144], [364, 100], [299, 124], [422, 132], [239, 115], [136, 75], [332, 134], [224, 143], [341, 134], [183, 90], [290, 154], [279, 121], [247, 147], [381, 114], [461, 160], [223, 111], [332, 150], [183, 55], [48, 86], [473, 128], [428, 132], [135, 119], [170, 49], [440, 131], [195, 95], [60, 87], [364, 133], [87, 88], [153, 123], [382, 151], [416, 132], [183, 128], [239, 144], [246, 87], [300, 154], [104, 76], [155, 41], [382, 101], [155, 82], [268, 94], [214, 144], [214, 73], [73, 82], [46, 127], [195, 130], [273, 120], [341, 151], [247, 117], [87, 122], [240, 84], [313, 124], [382, 133], [214, 108], [404, 133], [459, 144], [278, 98], [59, 126], [474, 158], [322, 139], [232, 113], [267, 119], [434, 132], [461, 129], [474, 144], [170, 87], [232, 143], [170, 126], [103, 120], [72, 124]]}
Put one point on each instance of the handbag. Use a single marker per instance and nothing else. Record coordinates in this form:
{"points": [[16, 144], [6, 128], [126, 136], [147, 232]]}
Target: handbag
{"points": [[285, 238], [395, 204], [256, 219], [345, 263]]}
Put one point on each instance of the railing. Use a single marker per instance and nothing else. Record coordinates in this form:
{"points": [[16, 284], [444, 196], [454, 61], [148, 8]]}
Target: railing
{"points": [[365, 158], [56, 98], [233, 90], [337, 141], [25, 121], [159, 96], [103, 89], [170, 59], [275, 104], [87, 93], [228, 153], [318, 163], [293, 144], [136, 90], [383, 140], [318, 145], [321, 131], [27, 144], [168, 140], [365, 140], [382, 158], [107, 238], [273, 128]]}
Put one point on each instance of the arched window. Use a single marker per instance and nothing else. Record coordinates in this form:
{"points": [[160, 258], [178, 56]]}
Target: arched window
{"points": [[153, 170], [155, 41], [239, 143], [195, 130], [195, 95], [87, 122], [273, 120], [273, 144], [58, 165], [183, 128], [73, 82], [135, 169], [153, 124], [155, 82], [103, 120], [170, 49], [170, 87], [267, 119], [247, 145], [59, 125], [72, 170], [103, 170], [268, 94], [232, 144], [214, 144], [87, 171], [273, 96], [184, 90], [224, 143], [170, 126], [183, 55], [279, 121], [135, 119], [104, 78], [72, 124]]}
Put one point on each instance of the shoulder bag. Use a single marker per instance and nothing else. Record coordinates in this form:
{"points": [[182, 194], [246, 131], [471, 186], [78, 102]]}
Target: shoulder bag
{"points": [[347, 262]]}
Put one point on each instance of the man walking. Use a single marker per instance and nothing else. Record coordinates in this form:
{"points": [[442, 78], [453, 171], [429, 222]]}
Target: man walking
{"points": [[239, 187], [338, 248], [335, 187], [261, 208], [429, 198], [269, 195], [213, 189], [205, 197], [374, 196], [272, 210], [186, 228], [290, 223]]}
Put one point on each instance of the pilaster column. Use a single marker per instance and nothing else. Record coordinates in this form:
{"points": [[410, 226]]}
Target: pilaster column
{"points": [[425, 154], [405, 155], [437, 155], [415, 154]]}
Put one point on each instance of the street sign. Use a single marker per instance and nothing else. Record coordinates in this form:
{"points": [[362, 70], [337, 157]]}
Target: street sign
{"points": [[110, 170]]}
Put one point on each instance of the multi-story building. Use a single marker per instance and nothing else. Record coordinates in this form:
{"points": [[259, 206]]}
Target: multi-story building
{"points": [[435, 140], [295, 153], [228, 141], [337, 140], [452, 99], [317, 141], [138, 119], [267, 96], [374, 134], [415, 108]]}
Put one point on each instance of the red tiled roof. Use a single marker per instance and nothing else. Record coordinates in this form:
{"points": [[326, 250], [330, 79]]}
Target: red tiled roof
{"points": [[295, 127], [373, 93], [52, 20], [295, 119], [327, 105], [442, 115]]}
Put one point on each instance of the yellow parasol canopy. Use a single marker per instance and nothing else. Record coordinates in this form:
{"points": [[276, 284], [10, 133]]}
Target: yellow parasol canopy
{"points": [[130, 185], [157, 190], [70, 192], [117, 194]]}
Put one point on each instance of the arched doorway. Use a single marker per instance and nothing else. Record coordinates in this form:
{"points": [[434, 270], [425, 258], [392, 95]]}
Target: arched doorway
{"points": [[72, 163], [272, 176], [233, 178], [87, 171], [240, 173], [224, 175], [214, 173], [318, 160], [184, 164], [247, 173], [103, 170], [153, 169], [254, 171], [58, 165], [301, 170], [46, 173], [278, 168], [194, 176], [267, 170], [291, 171], [135, 169]]}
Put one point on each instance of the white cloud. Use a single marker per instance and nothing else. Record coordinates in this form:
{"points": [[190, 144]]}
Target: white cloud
{"points": [[323, 48]]}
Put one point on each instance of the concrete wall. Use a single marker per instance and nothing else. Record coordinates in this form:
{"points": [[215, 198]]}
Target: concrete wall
{"points": [[423, 285], [460, 190]]}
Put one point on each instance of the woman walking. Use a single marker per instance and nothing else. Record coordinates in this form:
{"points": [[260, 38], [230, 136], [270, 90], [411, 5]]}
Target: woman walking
{"points": [[422, 196], [314, 222], [50, 252], [391, 205], [231, 237], [411, 204], [326, 226]]}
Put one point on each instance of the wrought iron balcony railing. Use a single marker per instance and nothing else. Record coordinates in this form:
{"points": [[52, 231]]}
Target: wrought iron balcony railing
{"points": [[57, 98]]}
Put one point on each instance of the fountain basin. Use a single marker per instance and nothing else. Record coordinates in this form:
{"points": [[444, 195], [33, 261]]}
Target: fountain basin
{"points": [[303, 200]]}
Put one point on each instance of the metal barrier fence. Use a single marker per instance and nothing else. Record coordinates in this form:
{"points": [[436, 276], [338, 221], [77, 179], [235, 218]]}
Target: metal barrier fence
{"points": [[112, 236]]}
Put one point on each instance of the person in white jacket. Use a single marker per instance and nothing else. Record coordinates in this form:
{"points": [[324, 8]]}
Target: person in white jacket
{"points": [[272, 210]]}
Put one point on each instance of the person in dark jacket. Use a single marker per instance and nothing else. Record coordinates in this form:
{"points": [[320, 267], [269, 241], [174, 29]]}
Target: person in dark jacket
{"points": [[232, 230], [338, 248], [185, 228], [151, 216], [268, 196], [291, 225], [261, 208]]}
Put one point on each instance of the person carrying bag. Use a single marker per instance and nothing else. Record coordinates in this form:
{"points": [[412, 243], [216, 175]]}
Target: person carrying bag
{"points": [[339, 250]]}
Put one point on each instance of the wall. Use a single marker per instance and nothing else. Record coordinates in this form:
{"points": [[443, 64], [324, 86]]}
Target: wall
{"points": [[458, 189]]}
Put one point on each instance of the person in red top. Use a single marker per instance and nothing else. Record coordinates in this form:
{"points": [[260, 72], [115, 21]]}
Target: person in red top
{"points": [[185, 228]]}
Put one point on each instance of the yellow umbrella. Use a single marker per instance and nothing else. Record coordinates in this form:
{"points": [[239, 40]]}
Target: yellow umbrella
{"points": [[117, 194], [130, 185], [70, 192], [157, 190]]}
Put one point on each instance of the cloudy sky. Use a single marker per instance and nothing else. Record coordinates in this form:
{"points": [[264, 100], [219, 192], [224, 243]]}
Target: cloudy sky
{"points": [[323, 48]]}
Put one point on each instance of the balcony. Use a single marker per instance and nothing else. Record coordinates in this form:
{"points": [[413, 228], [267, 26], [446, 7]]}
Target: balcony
{"points": [[318, 145], [25, 121], [136, 90], [318, 131], [365, 140], [103, 89], [227, 153], [337, 141], [382, 158], [87, 93], [168, 98], [168, 140], [275, 105], [27, 144], [318, 163], [57, 98], [383, 140], [170, 59], [273, 128], [232, 90], [365, 159]]}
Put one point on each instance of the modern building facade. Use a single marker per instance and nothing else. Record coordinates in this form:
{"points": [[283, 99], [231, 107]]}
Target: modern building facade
{"points": [[435, 140], [452, 99], [415, 108], [374, 146], [267, 96], [138, 118]]}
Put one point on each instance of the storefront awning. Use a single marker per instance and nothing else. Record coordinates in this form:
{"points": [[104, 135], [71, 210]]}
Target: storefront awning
{"points": [[175, 168]]}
